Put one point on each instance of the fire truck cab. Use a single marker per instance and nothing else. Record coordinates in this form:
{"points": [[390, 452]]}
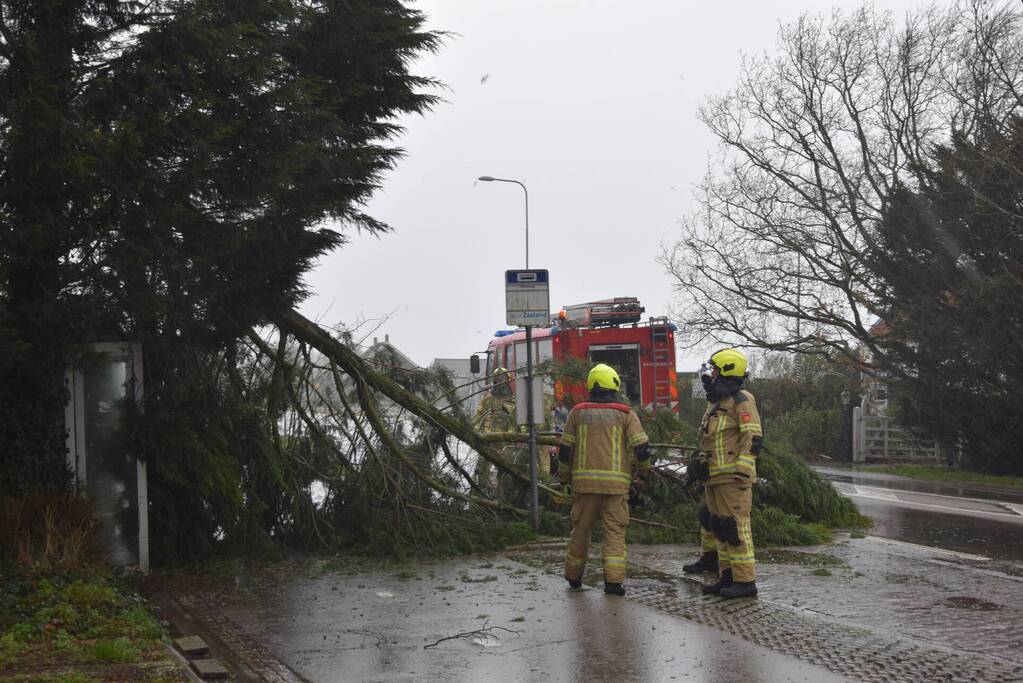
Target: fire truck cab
{"points": [[607, 331]]}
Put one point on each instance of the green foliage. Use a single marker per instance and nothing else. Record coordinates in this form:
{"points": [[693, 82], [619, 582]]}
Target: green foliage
{"points": [[793, 505], [117, 650], [82, 595], [169, 173], [72, 619], [949, 474], [950, 255], [666, 427], [772, 526], [791, 486], [802, 412]]}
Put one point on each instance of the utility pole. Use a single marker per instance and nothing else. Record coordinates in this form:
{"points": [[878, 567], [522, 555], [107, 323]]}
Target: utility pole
{"points": [[534, 504]]}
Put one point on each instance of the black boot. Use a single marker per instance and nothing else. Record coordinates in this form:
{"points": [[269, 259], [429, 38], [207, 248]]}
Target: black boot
{"points": [[575, 583], [708, 562], [723, 582], [614, 588], [740, 589]]}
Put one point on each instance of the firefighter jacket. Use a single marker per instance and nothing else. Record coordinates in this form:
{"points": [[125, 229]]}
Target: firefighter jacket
{"points": [[600, 438], [730, 436], [496, 413]]}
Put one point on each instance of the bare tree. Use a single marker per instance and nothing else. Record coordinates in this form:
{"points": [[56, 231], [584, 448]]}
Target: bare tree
{"points": [[813, 141]]}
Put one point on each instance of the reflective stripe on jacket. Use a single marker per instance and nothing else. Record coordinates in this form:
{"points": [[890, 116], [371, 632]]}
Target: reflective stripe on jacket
{"points": [[602, 437], [727, 435]]}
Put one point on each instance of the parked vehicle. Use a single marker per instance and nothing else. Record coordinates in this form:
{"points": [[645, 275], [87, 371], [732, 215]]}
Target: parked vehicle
{"points": [[607, 331]]}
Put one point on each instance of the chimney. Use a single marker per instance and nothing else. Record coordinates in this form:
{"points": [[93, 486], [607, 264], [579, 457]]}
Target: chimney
{"points": [[387, 339], [375, 341]]}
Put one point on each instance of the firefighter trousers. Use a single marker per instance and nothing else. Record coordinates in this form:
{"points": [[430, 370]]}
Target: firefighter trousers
{"points": [[708, 543], [613, 512], [730, 503]]}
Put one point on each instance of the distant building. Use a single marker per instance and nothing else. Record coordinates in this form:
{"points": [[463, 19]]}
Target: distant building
{"points": [[468, 387]]}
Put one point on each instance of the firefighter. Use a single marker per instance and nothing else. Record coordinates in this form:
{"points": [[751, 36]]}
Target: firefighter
{"points": [[730, 440], [496, 413], [601, 439]]}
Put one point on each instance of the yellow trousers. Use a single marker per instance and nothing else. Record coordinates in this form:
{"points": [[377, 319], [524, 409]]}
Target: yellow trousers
{"points": [[734, 499], [613, 513]]}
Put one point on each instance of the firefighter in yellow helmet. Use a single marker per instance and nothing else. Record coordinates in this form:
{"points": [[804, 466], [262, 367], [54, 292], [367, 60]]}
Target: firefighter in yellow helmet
{"points": [[730, 439], [601, 446], [496, 413]]}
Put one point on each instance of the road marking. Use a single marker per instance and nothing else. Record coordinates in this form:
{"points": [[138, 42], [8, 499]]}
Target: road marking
{"points": [[976, 570], [874, 492], [871, 493], [1016, 509], [932, 549], [989, 501]]}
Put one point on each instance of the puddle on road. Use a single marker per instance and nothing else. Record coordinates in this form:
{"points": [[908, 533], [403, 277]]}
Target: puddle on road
{"points": [[966, 602]]}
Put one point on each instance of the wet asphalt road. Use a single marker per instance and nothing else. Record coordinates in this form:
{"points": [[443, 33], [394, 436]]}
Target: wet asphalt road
{"points": [[478, 620], [961, 518]]}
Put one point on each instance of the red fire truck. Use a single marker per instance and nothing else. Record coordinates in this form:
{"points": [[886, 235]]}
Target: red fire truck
{"points": [[607, 331]]}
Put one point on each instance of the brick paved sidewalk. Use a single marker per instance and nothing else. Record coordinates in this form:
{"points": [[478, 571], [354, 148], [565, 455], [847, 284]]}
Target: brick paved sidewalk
{"points": [[864, 608]]}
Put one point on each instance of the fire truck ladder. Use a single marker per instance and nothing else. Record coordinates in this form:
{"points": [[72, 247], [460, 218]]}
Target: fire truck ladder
{"points": [[661, 351]]}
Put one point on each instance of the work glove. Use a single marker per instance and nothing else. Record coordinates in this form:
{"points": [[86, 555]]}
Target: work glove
{"points": [[635, 499], [698, 470]]}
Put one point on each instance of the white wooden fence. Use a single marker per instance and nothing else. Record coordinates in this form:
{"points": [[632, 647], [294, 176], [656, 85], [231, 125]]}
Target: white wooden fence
{"points": [[877, 436]]}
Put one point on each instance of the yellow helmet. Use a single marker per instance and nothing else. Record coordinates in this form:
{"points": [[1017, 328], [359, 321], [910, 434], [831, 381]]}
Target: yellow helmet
{"points": [[730, 363], [603, 376]]}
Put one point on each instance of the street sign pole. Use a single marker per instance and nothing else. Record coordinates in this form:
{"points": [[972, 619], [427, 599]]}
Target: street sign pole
{"points": [[533, 483], [527, 300]]}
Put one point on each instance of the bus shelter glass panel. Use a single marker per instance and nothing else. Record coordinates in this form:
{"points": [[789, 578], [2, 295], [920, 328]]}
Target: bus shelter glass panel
{"points": [[103, 391]]}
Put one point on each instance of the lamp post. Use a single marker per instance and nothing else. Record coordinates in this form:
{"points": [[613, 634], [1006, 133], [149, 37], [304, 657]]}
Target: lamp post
{"points": [[534, 488], [491, 179], [846, 445]]}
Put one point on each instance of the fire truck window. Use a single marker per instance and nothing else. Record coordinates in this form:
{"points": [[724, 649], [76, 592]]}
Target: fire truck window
{"points": [[490, 365], [509, 359], [626, 361], [520, 354], [545, 350]]}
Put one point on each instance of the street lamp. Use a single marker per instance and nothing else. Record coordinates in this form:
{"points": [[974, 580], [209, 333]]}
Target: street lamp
{"points": [[846, 398], [535, 497], [492, 179]]}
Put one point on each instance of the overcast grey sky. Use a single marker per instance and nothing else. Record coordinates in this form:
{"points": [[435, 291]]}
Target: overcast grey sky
{"points": [[592, 104]]}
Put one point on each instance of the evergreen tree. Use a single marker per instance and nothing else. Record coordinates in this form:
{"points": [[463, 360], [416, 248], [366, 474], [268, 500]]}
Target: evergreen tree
{"points": [[168, 172], [950, 256]]}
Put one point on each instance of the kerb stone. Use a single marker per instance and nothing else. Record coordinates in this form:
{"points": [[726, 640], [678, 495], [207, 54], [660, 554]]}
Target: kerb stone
{"points": [[210, 669], [192, 646]]}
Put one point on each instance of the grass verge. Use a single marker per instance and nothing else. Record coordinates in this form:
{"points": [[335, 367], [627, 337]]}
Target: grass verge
{"points": [[933, 473], [69, 628]]}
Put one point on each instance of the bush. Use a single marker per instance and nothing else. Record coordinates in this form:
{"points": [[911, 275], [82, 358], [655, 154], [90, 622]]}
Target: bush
{"points": [[772, 526], [792, 487], [117, 650], [50, 529]]}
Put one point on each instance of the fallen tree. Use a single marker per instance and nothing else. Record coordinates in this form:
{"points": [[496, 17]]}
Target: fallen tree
{"points": [[390, 463]]}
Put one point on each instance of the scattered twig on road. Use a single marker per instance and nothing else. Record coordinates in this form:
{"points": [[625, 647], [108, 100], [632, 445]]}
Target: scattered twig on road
{"points": [[381, 638], [485, 631]]}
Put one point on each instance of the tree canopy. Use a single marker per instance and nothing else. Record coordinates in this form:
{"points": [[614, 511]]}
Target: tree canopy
{"points": [[857, 189], [950, 255], [168, 172]]}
